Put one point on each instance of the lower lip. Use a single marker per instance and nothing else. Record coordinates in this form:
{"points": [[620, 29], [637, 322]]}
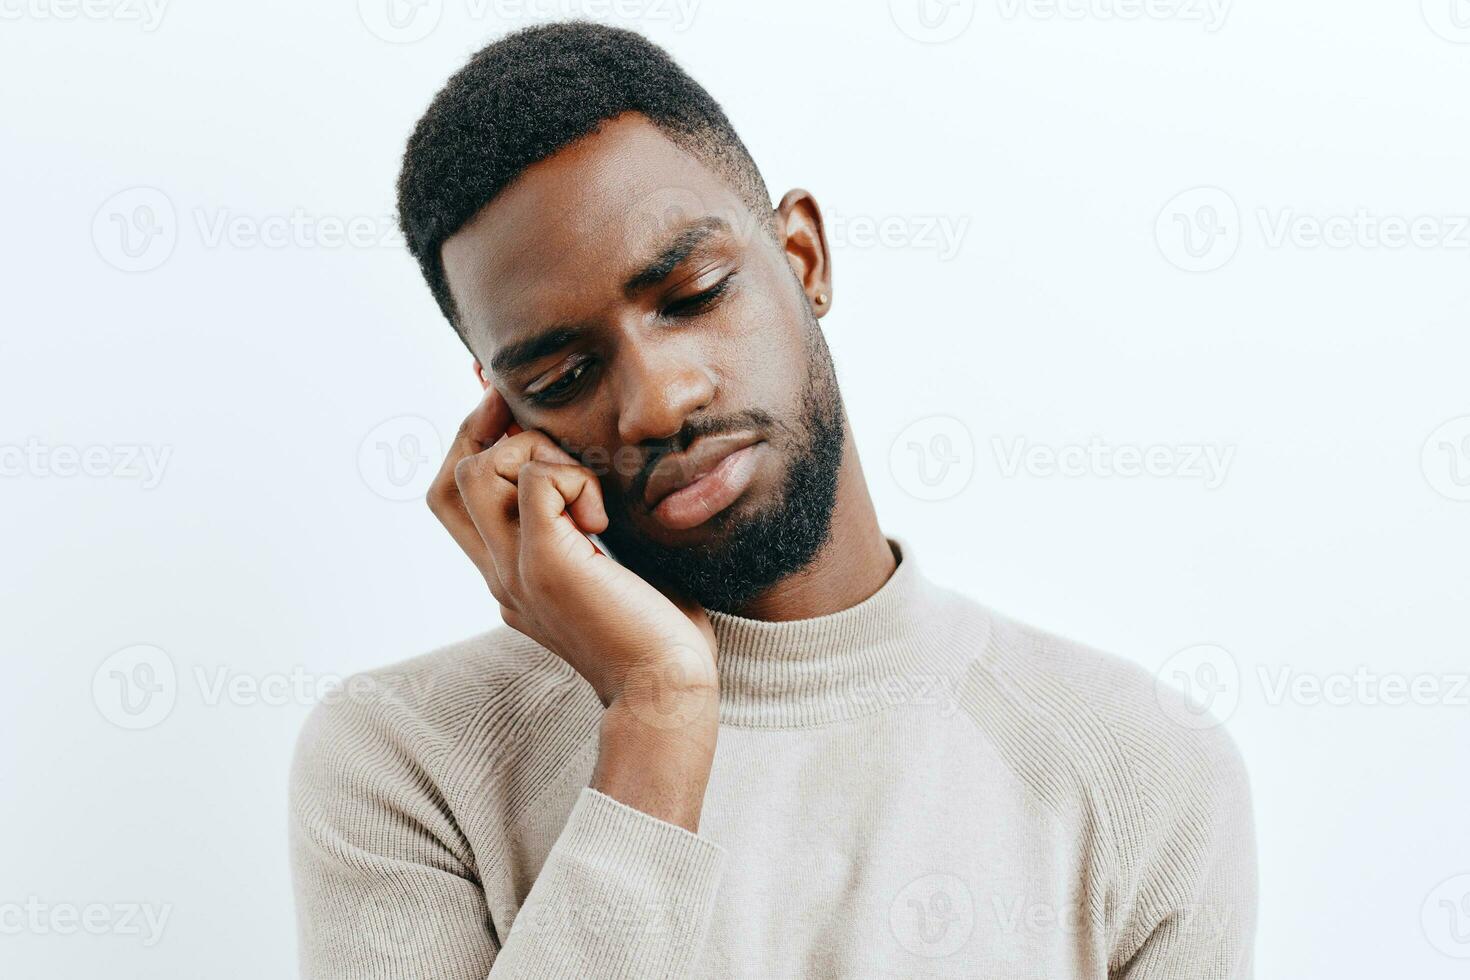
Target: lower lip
{"points": [[691, 506]]}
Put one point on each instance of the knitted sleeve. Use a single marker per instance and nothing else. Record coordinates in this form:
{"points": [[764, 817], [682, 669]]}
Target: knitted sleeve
{"points": [[387, 886]]}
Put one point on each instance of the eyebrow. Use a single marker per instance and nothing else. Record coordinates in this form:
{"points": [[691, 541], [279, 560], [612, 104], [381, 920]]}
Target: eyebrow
{"points": [[519, 354], [675, 252], [554, 338]]}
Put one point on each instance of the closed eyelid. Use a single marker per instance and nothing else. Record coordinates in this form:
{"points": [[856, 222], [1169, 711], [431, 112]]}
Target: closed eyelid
{"points": [[551, 374], [703, 299], [705, 278], [565, 386]]}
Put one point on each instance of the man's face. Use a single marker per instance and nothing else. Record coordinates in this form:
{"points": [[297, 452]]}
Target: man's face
{"points": [[625, 301]]}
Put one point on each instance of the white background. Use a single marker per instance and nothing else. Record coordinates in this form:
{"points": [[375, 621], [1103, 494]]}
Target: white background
{"points": [[264, 549]]}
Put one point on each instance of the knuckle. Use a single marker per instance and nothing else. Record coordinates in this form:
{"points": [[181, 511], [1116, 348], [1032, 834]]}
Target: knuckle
{"points": [[468, 470], [503, 456], [551, 445], [441, 494]]}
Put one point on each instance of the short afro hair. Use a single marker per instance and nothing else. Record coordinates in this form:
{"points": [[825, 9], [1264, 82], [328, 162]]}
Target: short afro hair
{"points": [[527, 95]]}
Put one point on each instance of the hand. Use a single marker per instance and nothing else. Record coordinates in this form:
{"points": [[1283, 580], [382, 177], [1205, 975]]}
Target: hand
{"points": [[518, 505]]}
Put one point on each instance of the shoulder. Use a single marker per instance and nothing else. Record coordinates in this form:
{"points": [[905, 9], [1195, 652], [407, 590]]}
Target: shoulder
{"points": [[1099, 738], [1157, 791], [483, 693], [1110, 714]]}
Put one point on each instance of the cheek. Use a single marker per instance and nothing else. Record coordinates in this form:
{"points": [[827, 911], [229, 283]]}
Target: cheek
{"points": [[762, 351], [587, 432]]}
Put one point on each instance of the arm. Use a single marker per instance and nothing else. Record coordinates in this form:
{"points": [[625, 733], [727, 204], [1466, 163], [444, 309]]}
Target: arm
{"points": [[387, 887], [1194, 913], [628, 888]]}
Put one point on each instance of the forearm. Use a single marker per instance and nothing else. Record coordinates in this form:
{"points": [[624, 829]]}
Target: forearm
{"points": [[654, 754]]}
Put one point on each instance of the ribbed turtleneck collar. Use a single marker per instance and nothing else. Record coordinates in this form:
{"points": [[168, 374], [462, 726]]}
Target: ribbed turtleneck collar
{"points": [[803, 672]]}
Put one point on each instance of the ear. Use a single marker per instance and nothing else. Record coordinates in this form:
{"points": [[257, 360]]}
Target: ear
{"points": [[804, 239], [481, 377]]}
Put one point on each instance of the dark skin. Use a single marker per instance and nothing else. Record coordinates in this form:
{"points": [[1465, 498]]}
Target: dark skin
{"points": [[620, 291]]}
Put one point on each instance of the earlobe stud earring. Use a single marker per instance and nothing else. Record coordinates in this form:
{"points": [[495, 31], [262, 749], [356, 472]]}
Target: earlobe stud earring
{"points": [[822, 299]]}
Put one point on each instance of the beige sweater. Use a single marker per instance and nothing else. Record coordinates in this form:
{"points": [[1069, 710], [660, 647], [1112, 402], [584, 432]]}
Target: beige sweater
{"points": [[913, 787]]}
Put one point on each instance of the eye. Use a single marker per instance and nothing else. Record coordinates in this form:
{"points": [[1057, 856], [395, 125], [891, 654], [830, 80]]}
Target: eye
{"points": [[700, 302], [564, 388]]}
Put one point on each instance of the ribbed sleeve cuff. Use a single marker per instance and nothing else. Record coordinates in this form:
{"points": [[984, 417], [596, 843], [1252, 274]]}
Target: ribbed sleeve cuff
{"points": [[622, 894]]}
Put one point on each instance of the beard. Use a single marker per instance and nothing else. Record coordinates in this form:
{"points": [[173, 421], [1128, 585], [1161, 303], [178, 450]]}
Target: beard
{"points": [[749, 553]]}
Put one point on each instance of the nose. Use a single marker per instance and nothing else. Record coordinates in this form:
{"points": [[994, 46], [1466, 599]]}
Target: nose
{"points": [[661, 386]]}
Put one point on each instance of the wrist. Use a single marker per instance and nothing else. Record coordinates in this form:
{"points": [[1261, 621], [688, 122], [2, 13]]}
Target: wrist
{"points": [[655, 755]]}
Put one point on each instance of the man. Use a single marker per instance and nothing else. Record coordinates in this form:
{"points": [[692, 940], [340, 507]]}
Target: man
{"points": [[754, 740]]}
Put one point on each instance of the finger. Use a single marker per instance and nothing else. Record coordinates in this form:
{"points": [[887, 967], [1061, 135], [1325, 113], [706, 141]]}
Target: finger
{"points": [[511, 455], [486, 485], [481, 427], [488, 502], [587, 510], [489, 420], [551, 539], [549, 491]]}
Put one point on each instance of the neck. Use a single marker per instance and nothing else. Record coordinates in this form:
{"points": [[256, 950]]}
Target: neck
{"points": [[850, 567]]}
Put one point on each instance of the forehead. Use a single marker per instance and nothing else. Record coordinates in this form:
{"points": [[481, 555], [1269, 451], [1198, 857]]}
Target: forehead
{"points": [[563, 237]]}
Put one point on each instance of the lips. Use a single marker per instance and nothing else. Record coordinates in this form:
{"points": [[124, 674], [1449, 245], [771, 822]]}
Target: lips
{"points": [[677, 471]]}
